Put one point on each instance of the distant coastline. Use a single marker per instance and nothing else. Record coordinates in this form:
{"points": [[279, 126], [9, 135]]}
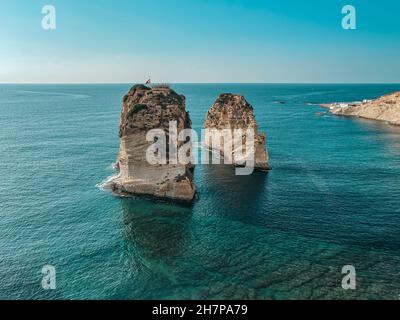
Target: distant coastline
{"points": [[385, 109]]}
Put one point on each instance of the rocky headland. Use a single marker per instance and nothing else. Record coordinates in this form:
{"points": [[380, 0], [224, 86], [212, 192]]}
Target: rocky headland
{"points": [[144, 109], [385, 108], [234, 112]]}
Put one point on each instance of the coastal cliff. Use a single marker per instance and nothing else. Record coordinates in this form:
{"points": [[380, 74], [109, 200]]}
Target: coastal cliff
{"points": [[144, 109], [385, 108], [234, 112]]}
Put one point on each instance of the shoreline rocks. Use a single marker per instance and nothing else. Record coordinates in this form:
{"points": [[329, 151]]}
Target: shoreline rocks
{"points": [[385, 108], [233, 112], [144, 109]]}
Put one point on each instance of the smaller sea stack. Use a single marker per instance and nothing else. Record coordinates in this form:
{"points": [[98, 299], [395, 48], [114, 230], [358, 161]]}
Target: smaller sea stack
{"points": [[232, 112]]}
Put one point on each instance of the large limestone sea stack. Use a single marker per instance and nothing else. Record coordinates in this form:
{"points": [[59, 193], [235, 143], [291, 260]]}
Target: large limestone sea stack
{"points": [[385, 108], [144, 109], [234, 112]]}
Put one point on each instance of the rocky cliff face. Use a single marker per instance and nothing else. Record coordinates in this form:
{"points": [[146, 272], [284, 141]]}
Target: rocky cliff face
{"points": [[385, 108], [234, 112], [144, 109]]}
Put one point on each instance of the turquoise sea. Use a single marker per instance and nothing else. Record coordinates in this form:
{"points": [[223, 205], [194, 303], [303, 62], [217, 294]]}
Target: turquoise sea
{"points": [[332, 199]]}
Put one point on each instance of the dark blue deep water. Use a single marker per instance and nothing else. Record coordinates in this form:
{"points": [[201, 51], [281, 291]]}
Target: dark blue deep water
{"points": [[332, 199]]}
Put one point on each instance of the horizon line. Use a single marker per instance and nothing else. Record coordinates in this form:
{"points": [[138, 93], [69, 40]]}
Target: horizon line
{"points": [[172, 83]]}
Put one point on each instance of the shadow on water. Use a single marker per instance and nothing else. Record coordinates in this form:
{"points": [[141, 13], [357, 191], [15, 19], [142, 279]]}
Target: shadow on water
{"points": [[377, 125], [230, 195], [155, 231], [388, 133]]}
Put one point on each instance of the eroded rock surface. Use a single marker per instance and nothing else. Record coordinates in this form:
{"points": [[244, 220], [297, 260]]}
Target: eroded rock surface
{"points": [[144, 109], [234, 112]]}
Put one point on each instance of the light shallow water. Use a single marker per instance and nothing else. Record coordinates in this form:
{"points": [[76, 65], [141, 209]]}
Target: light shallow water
{"points": [[332, 199]]}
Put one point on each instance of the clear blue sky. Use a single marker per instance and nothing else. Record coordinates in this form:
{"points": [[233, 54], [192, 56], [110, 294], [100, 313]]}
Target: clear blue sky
{"points": [[200, 41]]}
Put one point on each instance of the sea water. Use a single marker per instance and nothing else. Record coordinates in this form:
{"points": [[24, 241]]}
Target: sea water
{"points": [[332, 199]]}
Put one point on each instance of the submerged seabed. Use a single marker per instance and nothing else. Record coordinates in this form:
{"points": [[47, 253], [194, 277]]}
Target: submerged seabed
{"points": [[332, 199]]}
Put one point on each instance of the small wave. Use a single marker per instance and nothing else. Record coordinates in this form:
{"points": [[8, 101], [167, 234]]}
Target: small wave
{"points": [[279, 102], [107, 183], [72, 95], [113, 166], [316, 93], [284, 97]]}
